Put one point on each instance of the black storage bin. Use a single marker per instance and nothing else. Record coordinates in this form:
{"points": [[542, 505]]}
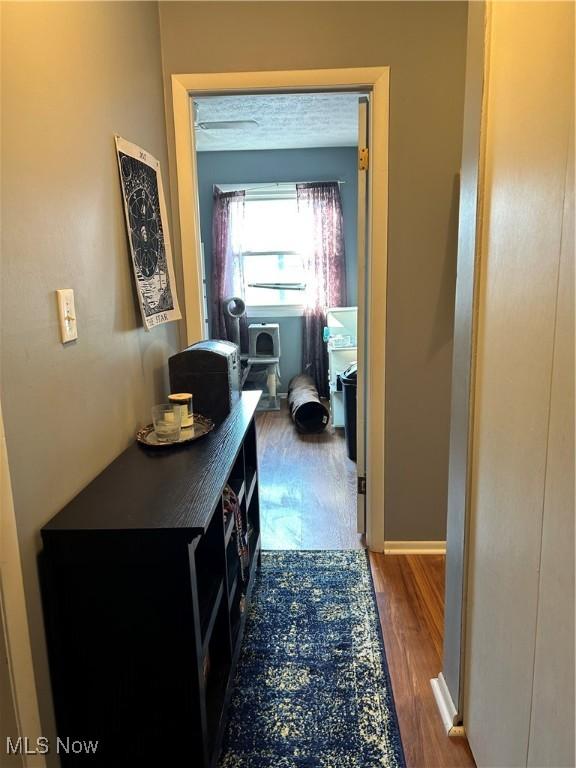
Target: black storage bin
{"points": [[349, 381], [210, 371]]}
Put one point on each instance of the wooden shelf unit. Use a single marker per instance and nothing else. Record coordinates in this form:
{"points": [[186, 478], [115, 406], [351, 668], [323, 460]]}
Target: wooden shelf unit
{"points": [[144, 600]]}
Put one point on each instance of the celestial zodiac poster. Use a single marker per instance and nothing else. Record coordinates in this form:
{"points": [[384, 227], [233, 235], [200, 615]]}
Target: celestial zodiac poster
{"points": [[147, 223]]}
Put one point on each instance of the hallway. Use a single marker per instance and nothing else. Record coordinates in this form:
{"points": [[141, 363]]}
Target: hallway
{"points": [[308, 501]]}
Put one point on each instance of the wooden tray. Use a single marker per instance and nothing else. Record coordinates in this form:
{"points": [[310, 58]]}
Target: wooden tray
{"points": [[202, 425]]}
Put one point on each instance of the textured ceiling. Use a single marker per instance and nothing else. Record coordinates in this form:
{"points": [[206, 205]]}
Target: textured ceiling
{"points": [[285, 121]]}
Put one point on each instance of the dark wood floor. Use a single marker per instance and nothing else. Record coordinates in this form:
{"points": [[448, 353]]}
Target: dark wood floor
{"points": [[308, 501], [410, 595], [307, 487]]}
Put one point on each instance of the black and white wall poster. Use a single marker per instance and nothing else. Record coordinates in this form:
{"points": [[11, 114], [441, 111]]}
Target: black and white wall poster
{"points": [[147, 222]]}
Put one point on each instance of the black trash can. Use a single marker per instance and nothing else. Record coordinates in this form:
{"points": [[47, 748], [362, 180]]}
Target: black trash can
{"points": [[349, 381]]}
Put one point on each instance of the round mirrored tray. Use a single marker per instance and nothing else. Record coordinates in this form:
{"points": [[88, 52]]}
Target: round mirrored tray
{"points": [[201, 426]]}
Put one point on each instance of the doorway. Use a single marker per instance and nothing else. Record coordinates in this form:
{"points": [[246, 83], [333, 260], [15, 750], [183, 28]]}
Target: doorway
{"points": [[278, 196], [374, 81]]}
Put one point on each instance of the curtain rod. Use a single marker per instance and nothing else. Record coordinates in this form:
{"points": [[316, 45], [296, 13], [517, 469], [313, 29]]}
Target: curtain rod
{"points": [[240, 187]]}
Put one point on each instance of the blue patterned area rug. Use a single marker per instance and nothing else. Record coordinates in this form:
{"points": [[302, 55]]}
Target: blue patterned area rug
{"points": [[312, 686]]}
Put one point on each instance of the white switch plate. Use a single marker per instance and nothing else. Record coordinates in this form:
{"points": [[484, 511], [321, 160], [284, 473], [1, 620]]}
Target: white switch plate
{"points": [[67, 314]]}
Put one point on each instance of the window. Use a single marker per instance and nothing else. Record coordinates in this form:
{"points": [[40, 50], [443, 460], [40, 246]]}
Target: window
{"points": [[273, 278], [272, 260]]}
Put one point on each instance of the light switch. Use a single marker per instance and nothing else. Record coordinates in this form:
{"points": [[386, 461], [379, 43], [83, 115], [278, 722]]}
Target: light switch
{"points": [[67, 313]]}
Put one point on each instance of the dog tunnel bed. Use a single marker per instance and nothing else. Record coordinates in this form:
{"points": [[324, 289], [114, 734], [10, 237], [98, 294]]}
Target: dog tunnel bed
{"points": [[309, 414]]}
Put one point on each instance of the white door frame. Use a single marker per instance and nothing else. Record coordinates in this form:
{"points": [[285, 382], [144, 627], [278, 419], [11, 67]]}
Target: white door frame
{"points": [[362, 330], [15, 620], [374, 80]]}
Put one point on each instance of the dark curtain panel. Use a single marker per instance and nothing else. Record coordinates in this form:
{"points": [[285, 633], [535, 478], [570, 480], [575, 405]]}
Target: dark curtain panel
{"points": [[320, 207], [227, 279]]}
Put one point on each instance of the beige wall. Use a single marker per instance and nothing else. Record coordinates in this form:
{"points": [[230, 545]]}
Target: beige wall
{"points": [[519, 704], [424, 44], [72, 75]]}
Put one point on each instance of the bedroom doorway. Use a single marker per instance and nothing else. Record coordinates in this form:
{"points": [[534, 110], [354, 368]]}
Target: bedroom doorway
{"points": [[306, 473], [278, 195]]}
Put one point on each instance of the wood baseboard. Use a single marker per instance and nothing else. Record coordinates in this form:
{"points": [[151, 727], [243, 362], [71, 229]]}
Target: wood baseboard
{"points": [[415, 547]]}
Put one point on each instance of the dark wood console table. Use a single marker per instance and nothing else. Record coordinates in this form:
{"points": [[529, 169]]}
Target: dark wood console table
{"points": [[144, 599]]}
